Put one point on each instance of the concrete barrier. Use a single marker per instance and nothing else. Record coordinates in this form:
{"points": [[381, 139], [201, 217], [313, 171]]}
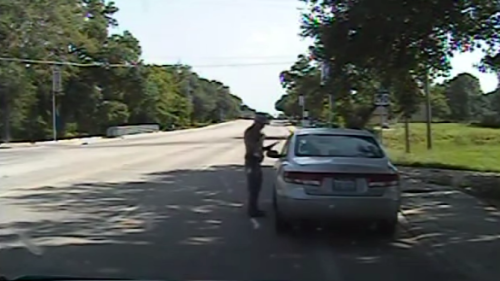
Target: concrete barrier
{"points": [[118, 131]]}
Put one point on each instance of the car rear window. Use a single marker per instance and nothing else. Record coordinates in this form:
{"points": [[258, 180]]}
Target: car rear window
{"points": [[323, 145]]}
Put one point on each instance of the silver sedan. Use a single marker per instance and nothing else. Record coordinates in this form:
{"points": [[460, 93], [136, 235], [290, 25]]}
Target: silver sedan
{"points": [[328, 174]]}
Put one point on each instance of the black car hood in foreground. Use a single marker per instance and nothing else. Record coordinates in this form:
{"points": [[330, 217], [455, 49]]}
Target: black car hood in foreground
{"points": [[72, 278], [56, 278]]}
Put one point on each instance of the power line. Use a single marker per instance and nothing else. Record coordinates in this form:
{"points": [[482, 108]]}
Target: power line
{"points": [[243, 64], [249, 2], [233, 57], [49, 62], [96, 64], [274, 5]]}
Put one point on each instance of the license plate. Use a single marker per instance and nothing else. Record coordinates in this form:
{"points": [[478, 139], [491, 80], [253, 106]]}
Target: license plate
{"points": [[344, 185]]}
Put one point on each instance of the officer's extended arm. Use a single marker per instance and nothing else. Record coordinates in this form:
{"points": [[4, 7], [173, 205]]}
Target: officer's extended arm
{"points": [[269, 147]]}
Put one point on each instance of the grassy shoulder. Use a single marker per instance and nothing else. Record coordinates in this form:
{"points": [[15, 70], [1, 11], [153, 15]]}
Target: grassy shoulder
{"points": [[455, 146]]}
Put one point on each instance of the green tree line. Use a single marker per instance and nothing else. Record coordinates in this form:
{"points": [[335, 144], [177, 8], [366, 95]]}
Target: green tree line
{"points": [[95, 93], [458, 100], [393, 45]]}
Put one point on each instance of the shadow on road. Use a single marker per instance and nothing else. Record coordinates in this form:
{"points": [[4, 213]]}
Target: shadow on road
{"points": [[181, 225], [452, 224]]}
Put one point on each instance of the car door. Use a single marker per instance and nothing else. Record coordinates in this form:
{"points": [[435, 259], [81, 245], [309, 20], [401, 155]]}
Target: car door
{"points": [[278, 165]]}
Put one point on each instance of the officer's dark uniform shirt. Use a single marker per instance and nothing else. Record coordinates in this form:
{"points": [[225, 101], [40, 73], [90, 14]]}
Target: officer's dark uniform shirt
{"points": [[253, 145]]}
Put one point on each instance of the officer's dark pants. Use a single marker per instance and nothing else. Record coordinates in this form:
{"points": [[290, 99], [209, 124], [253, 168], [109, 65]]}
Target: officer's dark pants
{"points": [[254, 184]]}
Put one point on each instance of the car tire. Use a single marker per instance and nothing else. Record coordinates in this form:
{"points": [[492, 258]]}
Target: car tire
{"points": [[388, 228], [281, 225]]}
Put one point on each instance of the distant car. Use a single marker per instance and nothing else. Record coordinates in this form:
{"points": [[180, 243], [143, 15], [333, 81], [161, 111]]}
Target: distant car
{"points": [[329, 174]]}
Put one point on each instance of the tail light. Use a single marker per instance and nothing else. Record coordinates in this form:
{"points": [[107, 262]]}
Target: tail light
{"points": [[303, 178], [316, 179], [383, 180]]}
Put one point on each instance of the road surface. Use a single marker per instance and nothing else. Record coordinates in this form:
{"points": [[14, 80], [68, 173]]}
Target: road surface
{"points": [[170, 206]]}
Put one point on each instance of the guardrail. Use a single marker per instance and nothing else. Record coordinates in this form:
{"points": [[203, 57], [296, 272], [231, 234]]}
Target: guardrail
{"points": [[117, 131]]}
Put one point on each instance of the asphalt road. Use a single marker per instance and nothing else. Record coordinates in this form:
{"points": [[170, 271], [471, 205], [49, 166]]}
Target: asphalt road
{"points": [[170, 206]]}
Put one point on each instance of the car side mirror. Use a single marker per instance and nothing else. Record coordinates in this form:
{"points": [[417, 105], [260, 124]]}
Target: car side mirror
{"points": [[273, 154]]}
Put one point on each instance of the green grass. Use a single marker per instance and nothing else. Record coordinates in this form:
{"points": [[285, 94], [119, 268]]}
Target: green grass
{"points": [[455, 146]]}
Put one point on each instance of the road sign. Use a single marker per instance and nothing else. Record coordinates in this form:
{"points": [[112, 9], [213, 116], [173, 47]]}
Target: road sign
{"points": [[301, 100], [382, 98], [56, 79]]}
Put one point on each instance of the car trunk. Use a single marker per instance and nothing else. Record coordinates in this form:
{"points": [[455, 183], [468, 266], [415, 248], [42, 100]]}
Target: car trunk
{"points": [[343, 176]]}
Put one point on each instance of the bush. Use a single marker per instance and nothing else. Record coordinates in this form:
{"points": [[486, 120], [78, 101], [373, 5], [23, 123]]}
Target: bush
{"points": [[489, 120]]}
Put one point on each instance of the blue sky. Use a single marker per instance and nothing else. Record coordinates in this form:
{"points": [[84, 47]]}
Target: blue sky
{"points": [[217, 36]]}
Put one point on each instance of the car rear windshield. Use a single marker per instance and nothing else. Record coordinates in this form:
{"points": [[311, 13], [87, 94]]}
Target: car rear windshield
{"points": [[323, 145]]}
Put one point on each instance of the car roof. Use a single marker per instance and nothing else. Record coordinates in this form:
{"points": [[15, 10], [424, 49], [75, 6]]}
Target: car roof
{"points": [[332, 131]]}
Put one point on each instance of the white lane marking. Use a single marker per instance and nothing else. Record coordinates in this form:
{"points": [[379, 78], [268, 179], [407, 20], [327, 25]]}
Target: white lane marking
{"points": [[255, 223], [29, 244], [206, 167]]}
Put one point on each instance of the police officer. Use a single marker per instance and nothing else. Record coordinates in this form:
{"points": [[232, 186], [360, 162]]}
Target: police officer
{"points": [[254, 155]]}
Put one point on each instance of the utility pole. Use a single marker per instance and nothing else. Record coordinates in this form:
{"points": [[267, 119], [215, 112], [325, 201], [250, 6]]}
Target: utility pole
{"points": [[56, 88], [332, 112], [6, 113], [407, 134], [305, 114], [428, 110], [382, 102], [325, 77], [302, 104]]}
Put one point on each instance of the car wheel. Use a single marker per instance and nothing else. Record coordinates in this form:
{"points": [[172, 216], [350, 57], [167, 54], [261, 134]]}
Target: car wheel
{"points": [[388, 228], [281, 225]]}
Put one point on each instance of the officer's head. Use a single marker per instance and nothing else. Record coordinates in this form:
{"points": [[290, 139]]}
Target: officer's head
{"points": [[260, 120]]}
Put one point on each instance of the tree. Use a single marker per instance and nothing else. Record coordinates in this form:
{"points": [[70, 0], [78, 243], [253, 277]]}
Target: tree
{"points": [[464, 96], [391, 44], [352, 93], [99, 95], [439, 103], [402, 36]]}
